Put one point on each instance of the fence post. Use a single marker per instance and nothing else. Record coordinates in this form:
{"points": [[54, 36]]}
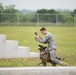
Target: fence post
{"points": [[74, 19], [37, 19], [18, 19], [56, 19]]}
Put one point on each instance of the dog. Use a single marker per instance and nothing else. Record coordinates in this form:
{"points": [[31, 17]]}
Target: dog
{"points": [[45, 56]]}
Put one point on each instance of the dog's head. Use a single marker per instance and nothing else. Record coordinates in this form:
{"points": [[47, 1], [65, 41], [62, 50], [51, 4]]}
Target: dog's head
{"points": [[42, 48]]}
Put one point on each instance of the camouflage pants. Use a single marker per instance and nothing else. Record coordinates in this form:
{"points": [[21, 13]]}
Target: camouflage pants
{"points": [[53, 57]]}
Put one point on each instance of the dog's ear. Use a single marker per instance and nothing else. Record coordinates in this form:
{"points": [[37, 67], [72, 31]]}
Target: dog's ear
{"points": [[40, 46], [45, 47]]}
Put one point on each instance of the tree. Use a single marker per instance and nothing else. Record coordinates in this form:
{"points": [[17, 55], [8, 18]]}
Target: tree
{"points": [[74, 12], [52, 11], [50, 17], [1, 8], [42, 11], [10, 9], [1, 11]]}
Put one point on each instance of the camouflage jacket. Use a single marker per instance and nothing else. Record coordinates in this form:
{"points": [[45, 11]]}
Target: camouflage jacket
{"points": [[48, 39]]}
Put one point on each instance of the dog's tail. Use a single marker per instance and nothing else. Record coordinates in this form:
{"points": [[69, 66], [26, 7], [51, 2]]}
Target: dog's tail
{"points": [[60, 58]]}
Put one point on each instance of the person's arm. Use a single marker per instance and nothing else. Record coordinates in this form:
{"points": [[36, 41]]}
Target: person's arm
{"points": [[42, 40]]}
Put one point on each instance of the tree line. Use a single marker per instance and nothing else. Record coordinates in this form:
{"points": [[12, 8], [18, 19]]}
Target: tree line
{"points": [[10, 14]]}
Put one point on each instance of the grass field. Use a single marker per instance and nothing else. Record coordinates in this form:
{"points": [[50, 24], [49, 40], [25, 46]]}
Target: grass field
{"points": [[65, 38]]}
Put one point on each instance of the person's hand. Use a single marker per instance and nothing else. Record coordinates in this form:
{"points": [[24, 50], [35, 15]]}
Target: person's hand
{"points": [[36, 36]]}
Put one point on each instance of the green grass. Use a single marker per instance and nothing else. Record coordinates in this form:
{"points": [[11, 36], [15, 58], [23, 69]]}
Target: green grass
{"points": [[65, 38]]}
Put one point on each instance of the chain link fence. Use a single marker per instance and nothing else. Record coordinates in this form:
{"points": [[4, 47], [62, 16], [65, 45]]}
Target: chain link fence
{"points": [[19, 19]]}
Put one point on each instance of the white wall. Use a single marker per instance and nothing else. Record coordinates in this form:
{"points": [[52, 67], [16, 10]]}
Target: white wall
{"points": [[10, 49]]}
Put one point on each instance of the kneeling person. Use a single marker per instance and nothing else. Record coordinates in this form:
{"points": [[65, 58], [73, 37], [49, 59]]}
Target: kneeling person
{"points": [[49, 39]]}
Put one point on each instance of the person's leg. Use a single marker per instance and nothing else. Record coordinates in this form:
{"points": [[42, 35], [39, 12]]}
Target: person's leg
{"points": [[53, 57]]}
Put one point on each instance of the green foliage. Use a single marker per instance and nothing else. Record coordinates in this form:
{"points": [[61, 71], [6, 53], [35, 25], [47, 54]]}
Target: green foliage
{"points": [[42, 11], [49, 17], [45, 11], [11, 15], [74, 12], [1, 8], [8, 13], [10, 9]]}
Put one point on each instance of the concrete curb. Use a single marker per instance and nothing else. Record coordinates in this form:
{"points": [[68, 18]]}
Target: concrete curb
{"points": [[38, 71]]}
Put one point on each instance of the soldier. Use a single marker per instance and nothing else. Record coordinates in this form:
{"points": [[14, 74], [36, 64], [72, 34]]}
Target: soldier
{"points": [[50, 40]]}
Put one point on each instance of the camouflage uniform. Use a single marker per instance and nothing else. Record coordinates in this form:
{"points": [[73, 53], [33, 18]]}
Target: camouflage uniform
{"points": [[49, 39]]}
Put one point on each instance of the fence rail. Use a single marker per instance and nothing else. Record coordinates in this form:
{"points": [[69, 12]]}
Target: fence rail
{"points": [[37, 19]]}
